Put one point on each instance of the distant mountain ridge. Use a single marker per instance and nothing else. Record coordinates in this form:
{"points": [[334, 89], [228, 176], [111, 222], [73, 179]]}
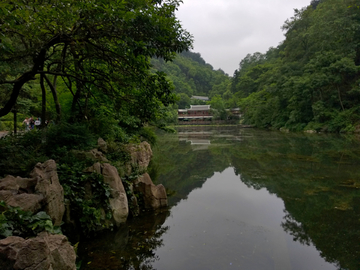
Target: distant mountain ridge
{"points": [[191, 75]]}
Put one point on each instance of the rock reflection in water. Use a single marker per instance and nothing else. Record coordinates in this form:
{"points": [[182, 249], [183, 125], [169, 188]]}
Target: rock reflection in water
{"points": [[129, 247], [250, 199]]}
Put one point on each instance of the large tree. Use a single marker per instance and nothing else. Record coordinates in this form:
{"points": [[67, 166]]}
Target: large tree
{"points": [[99, 50]]}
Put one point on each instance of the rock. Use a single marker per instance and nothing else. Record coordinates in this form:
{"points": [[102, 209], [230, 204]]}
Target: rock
{"points": [[310, 131], [18, 184], [140, 156], [49, 186], [102, 145], [9, 183], [94, 155], [118, 201], [98, 155], [27, 202], [154, 196], [41, 192], [284, 130], [45, 252]]}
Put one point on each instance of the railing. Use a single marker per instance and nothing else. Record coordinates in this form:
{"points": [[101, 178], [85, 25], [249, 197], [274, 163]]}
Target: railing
{"points": [[205, 122]]}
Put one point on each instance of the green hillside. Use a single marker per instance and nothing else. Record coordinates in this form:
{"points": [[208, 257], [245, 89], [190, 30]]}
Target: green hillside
{"points": [[191, 75], [311, 81]]}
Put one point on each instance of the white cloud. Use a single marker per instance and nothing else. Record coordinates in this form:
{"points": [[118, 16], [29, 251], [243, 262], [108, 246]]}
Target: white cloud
{"points": [[225, 31]]}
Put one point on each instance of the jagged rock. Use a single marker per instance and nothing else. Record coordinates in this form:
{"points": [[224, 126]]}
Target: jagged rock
{"points": [[48, 184], [42, 191], [154, 196], [9, 183], [140, 156], [98, 155], [45, 252], [25, 201], [94, 155], [18, 184], [102, 145], [118, 201]]}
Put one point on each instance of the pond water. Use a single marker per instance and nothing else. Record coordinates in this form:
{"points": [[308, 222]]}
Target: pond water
{"points": [[244, 199]]}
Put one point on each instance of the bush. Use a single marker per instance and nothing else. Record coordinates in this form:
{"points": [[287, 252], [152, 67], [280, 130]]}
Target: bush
{"points": [[16, 222], [86, 207], [20, 153], [70, 136]]}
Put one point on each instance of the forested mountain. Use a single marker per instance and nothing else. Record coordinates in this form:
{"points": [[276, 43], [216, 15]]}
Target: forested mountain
{"points": [[312, 79], [191, 75]]}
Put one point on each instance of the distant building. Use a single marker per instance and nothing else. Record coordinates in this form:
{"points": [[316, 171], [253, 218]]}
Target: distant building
{"points": [[195, 113], [234, 112], [200, 98]]}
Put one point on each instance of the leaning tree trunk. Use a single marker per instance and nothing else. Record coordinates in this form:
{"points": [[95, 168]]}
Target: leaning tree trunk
{"points": [[15, 121], [43, 102], [55, 97]]}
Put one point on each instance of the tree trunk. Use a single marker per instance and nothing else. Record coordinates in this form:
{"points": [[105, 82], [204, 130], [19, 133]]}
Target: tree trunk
{"points": [[24, 78], [15, 121], [342, 106], [43, 102], [55, 97], [15, 92]]}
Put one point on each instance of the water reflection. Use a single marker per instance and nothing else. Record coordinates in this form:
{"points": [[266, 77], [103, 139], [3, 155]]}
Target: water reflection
{"points": [[130, 247], [248, 199]]}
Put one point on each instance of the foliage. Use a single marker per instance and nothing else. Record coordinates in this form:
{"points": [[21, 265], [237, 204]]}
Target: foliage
{"points": [[19, 154], [87, 195], [191, 75], [16, 222], [218, 107], [94, 59], [312, 77]]}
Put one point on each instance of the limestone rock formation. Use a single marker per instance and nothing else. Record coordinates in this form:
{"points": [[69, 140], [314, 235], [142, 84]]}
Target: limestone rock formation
{"points": [[102, 145], [48, 184], [140, 156], [154, 196], [45, 252], [93, 154], [41, 192], [118, 201]]}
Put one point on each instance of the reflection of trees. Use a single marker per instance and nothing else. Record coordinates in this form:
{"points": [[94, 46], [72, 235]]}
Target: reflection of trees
{"points": [[130, 247], [296, 229], [181, 169], [316, 176]]}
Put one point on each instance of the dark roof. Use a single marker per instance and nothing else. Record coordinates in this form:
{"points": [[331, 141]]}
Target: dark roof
{"points": [[199, 108]]}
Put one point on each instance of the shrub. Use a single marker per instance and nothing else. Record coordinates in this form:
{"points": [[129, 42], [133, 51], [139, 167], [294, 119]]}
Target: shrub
{"points": [[16, 222], [86, 206]]}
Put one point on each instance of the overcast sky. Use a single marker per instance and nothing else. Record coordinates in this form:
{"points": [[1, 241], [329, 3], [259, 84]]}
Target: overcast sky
{"points": [[225, 31]]}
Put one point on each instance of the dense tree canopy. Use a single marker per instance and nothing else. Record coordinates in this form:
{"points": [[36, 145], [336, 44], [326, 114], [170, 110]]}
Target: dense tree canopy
{"points": [[311, 80], [98, 51], [191, 75]]}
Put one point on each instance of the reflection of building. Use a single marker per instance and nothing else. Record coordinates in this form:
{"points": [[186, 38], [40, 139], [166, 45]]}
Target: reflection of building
{"points": [[195, 113], [198, 140], [235, 112]]}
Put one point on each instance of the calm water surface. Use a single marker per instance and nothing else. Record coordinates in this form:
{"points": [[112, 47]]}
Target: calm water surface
{"points": [[244, 199]]}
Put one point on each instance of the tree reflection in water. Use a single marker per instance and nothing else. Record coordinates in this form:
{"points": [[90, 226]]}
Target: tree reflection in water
{"points": [[317, 177], [130, 247]]}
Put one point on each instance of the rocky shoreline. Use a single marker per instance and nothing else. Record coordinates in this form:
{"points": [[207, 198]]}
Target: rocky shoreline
{"points": [[44, 192]]}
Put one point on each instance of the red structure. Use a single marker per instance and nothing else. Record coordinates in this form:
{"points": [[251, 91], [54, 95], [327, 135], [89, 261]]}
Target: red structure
{"points": [[195, 113]]}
